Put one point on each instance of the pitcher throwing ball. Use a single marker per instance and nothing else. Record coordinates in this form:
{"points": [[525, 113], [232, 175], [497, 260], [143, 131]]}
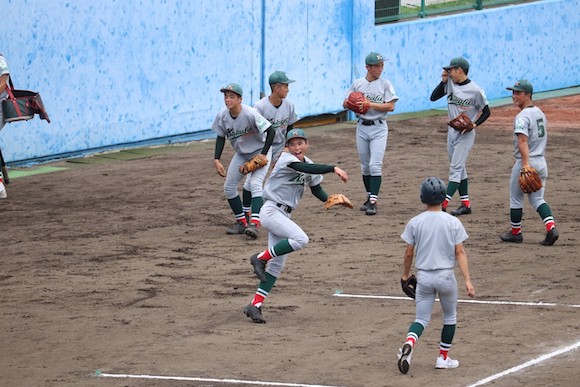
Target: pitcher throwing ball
{"points": [[283, 190]]}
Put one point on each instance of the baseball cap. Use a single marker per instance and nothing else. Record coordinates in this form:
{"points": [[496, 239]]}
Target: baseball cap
{"points": [[233, 87], [279, 77], [522, 85], [374, 58], [296, 133], [458, 62]]}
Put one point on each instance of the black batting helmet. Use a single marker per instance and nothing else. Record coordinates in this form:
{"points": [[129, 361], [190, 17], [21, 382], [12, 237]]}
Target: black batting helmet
{"points": [[433, 191]]}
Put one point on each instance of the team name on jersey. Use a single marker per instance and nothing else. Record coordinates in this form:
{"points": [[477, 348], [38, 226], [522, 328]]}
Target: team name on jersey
{"points": [[454, 100], [283, 123], [375, 98], [300, 178], [232, 133]]}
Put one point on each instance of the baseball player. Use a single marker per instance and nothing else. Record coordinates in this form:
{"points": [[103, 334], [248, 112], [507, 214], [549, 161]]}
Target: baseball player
{"points": [[250, 134], [371, 128], [283, 190], [280, 112], [463, 96], [530, 139], [436, 239], [4, 74]]}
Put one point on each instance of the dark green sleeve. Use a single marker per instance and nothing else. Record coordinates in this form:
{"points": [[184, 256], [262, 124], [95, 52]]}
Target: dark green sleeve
{"points": [[219, 147], [319, 192], [315, 169], [438, 92], [270, 133]]}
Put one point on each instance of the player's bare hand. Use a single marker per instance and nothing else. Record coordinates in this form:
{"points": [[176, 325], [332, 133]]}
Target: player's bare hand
{"points": [[220, 168], [342, 174], [444, 76], [470, 289]]}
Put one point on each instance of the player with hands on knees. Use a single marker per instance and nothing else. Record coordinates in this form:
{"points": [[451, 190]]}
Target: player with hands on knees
{"points": [[435, 239], [530, 170], [467, 108], [251, 136], [371, 98], [283, 190]]}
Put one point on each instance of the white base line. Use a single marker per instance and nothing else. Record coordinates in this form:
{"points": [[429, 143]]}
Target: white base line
{"points": [[526, 364], [542, 304], [190, 379]]}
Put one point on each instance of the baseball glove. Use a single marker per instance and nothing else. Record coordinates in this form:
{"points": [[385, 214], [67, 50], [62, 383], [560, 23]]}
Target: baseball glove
{"points": [[409, 285], [335, 199], [256, 162], [529, 180], [358, 103], [462, 123]]}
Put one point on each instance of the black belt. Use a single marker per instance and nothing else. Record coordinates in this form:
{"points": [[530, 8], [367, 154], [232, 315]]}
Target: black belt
{"points": [[370, 122], [286, 208]]}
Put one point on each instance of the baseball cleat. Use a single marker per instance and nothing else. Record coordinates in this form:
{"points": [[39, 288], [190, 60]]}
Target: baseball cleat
{"points": [[254, 313], [551, 237], [365, 205], [237, 228], [252, 231], [461, 210], [405, 355], [259, 267], [509, 237], [371, 209], [446, 363]]}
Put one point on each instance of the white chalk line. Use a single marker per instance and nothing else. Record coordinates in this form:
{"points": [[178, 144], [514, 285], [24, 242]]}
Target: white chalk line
{"points": [[520, 303], [193, 379], [526, 364]]}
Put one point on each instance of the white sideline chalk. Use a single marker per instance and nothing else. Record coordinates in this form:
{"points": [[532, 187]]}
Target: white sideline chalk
{"points": [[192, 379], [526, 364], [520, 303]]}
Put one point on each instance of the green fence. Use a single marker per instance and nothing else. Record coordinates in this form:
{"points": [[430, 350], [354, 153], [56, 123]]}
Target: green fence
{"points": [[387, 11]]}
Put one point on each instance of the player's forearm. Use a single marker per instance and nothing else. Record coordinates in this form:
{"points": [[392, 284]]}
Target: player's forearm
{"points": [[269, 140], [315, 169], [438, 92], [3, 81], [319, 193], [461, 257], [219, 147], [485, 113], [407, 261]]}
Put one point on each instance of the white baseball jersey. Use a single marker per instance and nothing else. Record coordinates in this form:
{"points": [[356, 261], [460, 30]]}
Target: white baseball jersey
{"points": [[379, 91], [434, 235], [246, 132], [468, 98], [531, 122], [280, 117], [286, 185], [3, 70]]}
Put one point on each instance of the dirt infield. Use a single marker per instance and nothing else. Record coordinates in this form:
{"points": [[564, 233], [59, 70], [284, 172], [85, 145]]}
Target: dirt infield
{"points": [[125, 267]]}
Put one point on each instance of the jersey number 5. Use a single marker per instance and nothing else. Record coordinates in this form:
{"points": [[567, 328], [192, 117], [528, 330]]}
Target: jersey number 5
{"points": [[541, 127]]}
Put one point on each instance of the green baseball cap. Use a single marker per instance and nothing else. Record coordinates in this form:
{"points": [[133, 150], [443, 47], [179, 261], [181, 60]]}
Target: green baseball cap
{"points": [[233, 87], [296, 133], [374, 58], [458, 62], [522, 85], [279, 77]]}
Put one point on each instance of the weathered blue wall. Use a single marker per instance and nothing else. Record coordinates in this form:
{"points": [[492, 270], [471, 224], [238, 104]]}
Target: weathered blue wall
{"points": [[122, 71]]}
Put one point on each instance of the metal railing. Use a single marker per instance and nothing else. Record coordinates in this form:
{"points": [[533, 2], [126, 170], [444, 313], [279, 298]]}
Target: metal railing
{"points": [[387, 11]]}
